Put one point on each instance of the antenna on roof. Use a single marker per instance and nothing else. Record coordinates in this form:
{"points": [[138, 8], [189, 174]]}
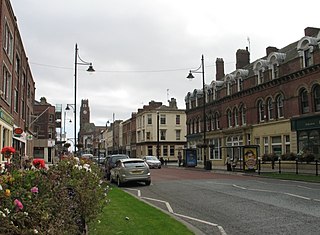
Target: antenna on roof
{"points": [[168, 94], [248, 39]]}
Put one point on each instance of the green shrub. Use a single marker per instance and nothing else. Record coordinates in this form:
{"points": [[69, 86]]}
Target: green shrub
{"points": [[60, 200]]}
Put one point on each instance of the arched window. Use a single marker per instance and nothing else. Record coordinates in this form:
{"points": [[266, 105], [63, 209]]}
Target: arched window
{"points": [[229, 116], [217, 118], [236, 116], [279, 101], [261, 111], [243, 115], [304, 103], [270, 108], [316, 98]]}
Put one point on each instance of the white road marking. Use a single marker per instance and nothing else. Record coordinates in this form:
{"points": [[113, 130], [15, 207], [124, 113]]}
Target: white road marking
{"points": [[222, 231], [298, 196], [234, 185]]}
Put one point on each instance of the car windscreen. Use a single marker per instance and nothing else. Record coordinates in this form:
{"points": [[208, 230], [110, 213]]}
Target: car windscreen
{"points": [[151, 158], [134, 164]]}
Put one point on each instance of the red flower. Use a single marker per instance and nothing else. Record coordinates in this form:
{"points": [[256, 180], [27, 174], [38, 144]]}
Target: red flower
{"points": [[39, 163], [8, 149]]}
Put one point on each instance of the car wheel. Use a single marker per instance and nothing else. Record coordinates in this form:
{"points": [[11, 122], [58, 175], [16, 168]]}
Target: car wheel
{"points": [[119, 183], [159, 167], [148, 182]]}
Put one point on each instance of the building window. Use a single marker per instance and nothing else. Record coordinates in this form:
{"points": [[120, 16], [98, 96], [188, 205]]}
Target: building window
{"points": [[8, 41], [163, 134], [270, 109], [16, 101], [229, 88], [51, 133], [261, 111], [276, 145], [240, 84], [165, 150], [304, 101], [316, 98], [236, 116], [163, 119], [178, 134], [280, 106], [51, 118], [171, 150], [217, 119], [149, 117], [307, 58], [148, 135], [287, 143], [7, 80], [275, 71], [260, 77], [215, 150], [178, 120], [150, 152], [266, 145], [17, 65], [243, 115]]}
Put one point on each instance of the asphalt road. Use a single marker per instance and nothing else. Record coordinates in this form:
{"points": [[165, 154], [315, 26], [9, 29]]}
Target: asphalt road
{"points": [[218, 203]]}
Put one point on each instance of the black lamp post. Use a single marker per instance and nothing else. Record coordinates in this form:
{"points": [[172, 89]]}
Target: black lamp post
{"points": [[190, 76], [90, 69], [158, 142]]}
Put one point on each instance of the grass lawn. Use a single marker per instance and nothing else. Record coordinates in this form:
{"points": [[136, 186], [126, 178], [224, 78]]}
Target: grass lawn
{"points": [[293, 176], [126, 214]]}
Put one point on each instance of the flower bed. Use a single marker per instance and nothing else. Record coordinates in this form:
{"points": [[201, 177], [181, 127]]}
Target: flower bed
{"points": [[59, 200]]}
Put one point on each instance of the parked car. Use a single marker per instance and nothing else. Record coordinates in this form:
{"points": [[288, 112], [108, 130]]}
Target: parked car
{"points": [[87, 156], [152, 161], [131, 169], [110, 163]]}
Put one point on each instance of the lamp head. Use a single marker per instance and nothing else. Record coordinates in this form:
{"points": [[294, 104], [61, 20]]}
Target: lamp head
{"points": [[190, 76], [90, 69], [67, 108]]}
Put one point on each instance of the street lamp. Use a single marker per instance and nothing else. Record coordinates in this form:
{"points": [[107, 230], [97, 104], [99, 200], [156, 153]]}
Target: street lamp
{"points": [[190, 76], [158, 142], [90, 69]]}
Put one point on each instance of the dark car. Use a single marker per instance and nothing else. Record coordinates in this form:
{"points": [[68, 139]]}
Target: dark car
{"points": [[110, 163]]}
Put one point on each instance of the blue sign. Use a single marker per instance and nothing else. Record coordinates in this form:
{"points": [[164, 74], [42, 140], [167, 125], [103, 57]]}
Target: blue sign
{"points": [[191, 157]]}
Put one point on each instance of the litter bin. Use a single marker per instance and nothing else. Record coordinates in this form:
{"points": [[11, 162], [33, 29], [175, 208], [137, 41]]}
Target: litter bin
{"points": [[208, 165]]}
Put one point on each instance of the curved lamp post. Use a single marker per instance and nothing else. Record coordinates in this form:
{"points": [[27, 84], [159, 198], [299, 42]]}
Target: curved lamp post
{"points": [[190, 76], [90, 69]]}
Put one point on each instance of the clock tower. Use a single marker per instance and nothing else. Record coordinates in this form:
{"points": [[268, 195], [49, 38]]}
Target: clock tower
{"points": [[84, 113]]}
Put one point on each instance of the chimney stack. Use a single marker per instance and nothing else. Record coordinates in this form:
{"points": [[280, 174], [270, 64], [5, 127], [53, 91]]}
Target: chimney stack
{"points": [[219, 69], [242, 57], [311, 31]]}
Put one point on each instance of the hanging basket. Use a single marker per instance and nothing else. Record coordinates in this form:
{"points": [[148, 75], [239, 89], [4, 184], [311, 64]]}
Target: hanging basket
{"points": [[8, 151]]}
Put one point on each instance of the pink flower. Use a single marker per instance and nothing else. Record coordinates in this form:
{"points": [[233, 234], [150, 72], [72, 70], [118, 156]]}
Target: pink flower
{"points": [[18, 204], [34, 190]]}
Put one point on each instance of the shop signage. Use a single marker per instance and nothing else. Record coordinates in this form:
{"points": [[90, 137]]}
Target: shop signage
{"points": [[17, 131]]}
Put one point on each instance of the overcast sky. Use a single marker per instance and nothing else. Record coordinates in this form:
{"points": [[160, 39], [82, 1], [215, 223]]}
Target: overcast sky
{"points": [[142, 50]]}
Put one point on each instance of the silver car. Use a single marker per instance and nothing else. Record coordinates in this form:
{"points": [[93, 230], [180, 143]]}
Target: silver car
{"points": [[152, 161], [128, 170]]}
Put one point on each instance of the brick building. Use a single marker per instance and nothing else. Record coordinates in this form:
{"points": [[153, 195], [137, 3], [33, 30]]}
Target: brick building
{"points": [[17, 87], [272, 102]]}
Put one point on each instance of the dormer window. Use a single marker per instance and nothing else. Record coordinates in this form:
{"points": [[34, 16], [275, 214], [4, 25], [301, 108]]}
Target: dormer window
{"points": [[274, 60], [259, 68], [305, 49]]}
